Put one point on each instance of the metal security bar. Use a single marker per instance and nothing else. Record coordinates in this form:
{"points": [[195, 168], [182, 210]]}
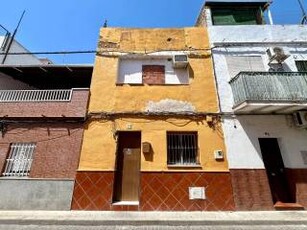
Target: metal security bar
{"points": [[182, 148], [57, 95], [18, 164], [269, 87]]}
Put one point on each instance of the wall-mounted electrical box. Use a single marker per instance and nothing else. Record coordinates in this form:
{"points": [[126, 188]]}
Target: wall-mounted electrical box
{"points": [[218, 154], [146, 146]]}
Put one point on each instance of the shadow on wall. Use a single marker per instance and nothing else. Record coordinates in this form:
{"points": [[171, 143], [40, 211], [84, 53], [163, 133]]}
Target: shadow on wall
{"points": [[148, 151]]}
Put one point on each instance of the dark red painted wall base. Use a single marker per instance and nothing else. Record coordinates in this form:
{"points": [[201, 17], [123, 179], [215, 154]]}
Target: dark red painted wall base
{"points": [[166, 191], [297, 179], [251, 190]]}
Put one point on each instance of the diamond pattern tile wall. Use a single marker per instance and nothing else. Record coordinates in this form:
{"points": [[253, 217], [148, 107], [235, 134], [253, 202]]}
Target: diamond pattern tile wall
{"points": [[93, 191], [169, 191]]}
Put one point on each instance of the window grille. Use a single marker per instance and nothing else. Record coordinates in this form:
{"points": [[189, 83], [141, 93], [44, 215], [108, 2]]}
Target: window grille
{"points": [[19, 161], [182, 148]]}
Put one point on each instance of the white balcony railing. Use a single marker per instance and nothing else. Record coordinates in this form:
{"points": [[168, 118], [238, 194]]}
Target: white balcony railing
{"points": [[56, 95]]}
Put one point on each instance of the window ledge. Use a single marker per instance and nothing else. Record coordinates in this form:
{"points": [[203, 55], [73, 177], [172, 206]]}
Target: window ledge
{"points": [[185, 166]]}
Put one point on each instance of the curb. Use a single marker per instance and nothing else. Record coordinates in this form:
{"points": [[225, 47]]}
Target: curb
{"points": [[84, 218]]}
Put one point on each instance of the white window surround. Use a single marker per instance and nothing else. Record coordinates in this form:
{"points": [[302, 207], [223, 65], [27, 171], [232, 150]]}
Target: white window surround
{"points": [[130, 71]]}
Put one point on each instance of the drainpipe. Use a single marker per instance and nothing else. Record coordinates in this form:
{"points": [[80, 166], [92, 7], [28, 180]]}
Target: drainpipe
{"points": [[216, 84]]}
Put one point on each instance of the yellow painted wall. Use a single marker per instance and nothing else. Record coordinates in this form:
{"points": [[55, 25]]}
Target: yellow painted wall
{"points": [[99, 146], [107, 96]]}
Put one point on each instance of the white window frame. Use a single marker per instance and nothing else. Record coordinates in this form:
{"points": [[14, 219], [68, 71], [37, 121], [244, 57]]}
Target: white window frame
{"points": [[130, 71]]}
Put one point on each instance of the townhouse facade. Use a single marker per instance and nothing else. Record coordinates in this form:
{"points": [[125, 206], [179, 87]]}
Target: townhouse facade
{"points": [[153, 140], [42, 110], [260, 71]]}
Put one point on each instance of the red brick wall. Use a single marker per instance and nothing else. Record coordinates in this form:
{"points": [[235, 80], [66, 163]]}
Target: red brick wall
{"points": [[251, 189], [153, 74], [158, 192], [297, 179], [75, 108], [57, 147]]}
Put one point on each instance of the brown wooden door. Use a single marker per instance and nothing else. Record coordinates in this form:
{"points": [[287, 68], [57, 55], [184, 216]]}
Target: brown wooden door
{"points": [[127, 175], [275, 170]]}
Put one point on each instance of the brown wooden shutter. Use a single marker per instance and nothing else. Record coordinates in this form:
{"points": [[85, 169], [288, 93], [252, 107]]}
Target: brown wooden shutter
{"points": [[153, 74]]}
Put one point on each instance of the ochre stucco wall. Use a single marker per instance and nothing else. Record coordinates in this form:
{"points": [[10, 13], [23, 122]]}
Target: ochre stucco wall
{"points": [[107, 96], [99, 146]]}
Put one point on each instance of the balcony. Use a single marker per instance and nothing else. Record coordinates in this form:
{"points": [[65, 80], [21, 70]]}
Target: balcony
{"points": [[58, 103], [269, 92]]}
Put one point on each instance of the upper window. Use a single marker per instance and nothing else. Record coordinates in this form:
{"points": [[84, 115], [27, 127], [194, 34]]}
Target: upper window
{"points": [[156, 71], [301, 66], [236, 16], [153, 74], [237, 64], [182, 148], [18, 163]]}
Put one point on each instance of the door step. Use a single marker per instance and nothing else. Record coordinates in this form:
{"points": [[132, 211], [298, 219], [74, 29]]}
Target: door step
{"points": [[288, 206], [126, 203]]}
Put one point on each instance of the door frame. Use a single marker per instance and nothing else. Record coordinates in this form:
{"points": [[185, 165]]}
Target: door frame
{"points": [[117, 155], [284, 177]]}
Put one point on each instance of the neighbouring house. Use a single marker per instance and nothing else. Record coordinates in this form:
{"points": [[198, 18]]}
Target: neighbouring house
{"points": [[153, 139], [260, 71], [42, 113], [10, 45]]}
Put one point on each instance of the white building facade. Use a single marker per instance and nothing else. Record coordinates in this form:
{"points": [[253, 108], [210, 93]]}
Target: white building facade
{"points": [[262, 86]]}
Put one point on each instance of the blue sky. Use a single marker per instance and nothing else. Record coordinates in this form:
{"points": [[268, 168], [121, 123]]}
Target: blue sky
{"points": [[62, 25]]}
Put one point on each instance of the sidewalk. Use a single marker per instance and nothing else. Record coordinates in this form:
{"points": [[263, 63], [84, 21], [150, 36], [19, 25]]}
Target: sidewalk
{"points": [[86, 218]]}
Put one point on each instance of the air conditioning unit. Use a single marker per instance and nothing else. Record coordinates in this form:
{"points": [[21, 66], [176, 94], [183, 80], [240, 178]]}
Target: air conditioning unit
{"points": [[300, 119], [276, 55], [180, 61]]}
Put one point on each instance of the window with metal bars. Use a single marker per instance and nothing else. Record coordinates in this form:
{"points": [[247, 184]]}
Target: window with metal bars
{"points": [[18, 163], [182, 148]]}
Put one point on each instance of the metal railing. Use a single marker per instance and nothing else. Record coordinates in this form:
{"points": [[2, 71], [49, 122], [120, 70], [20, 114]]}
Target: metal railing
{"points": [[57, 95], [269, 87], [182, 148]]}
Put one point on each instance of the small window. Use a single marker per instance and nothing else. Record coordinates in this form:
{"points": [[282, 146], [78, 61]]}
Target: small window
{"points": [[18, 163], [301, 66], [182, 148], [153, 74], [236, 16]]}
